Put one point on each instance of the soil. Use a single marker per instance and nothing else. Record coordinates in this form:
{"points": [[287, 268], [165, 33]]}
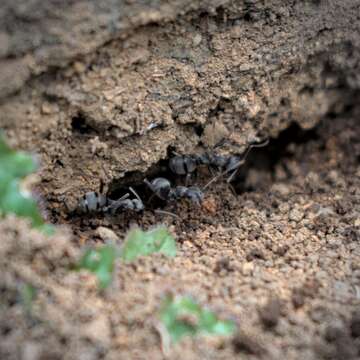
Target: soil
{"points": [[277, 251], [281, 258]]}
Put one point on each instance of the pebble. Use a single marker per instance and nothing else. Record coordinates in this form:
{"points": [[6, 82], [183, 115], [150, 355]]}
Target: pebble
{"points": [[270, 313], [197, 39], [355, 324], [106, 234], [296, 215]]}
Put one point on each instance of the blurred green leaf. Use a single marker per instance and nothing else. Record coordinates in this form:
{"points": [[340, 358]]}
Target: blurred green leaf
{"points": [[184, 317], [101, 263], [140, 243], [14, 167]]}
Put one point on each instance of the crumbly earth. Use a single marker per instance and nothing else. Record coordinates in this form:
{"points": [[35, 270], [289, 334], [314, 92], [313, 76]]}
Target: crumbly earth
{"points": [[111, 97], [243, 72], [281, 258]]}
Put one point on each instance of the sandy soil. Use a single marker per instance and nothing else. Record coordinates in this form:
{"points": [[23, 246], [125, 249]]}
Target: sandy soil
{"points": [[111, 99], [281, 258]]}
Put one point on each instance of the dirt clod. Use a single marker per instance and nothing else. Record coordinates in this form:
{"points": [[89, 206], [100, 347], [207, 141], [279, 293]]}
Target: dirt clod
{"points": [[355, 324], [270, 312], [245, 342]]}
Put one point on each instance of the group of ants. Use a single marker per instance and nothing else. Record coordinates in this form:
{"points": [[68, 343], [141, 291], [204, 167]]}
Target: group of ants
{"points": [[181, 165]]}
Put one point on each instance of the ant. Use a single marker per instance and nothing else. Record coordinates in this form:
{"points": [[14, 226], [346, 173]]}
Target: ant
{"points": [[136, 204], [161, 187], [188, 164], [98, 202]]}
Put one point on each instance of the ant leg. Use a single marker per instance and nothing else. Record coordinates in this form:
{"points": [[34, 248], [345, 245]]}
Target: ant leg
{"points": [[140, 205], [149, 185], [112, 208], [188, 177], [232, 189], [124, 197], [147, 182], [158, 211], [211, 181], [102, 185], [231, 177]]}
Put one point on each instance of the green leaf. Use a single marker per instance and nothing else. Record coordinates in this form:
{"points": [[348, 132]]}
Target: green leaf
{"points": [[184, 317], [101, 263], [140, 243], [15, 164], [14, 167]]}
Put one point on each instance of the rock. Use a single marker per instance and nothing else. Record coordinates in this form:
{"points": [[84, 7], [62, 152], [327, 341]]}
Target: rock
{"points": [[296, 215], [270, 313], [355, 324], [106, 234]]}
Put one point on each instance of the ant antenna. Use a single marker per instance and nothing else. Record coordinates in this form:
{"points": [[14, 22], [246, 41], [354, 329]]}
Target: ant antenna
{"points": [[123, 197], [241, 162], [264, 143], [135, 193]]}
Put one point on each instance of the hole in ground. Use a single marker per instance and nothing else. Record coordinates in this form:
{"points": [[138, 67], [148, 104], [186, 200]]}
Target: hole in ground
{"points": [[80, 125], [263, 160]]}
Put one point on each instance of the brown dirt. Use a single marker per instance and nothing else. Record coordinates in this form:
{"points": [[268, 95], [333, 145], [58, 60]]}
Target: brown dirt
{"points": [[278, 252], [281, 260]]}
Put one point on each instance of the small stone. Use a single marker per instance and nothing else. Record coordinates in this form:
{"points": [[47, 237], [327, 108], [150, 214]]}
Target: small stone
{"points": [[333, 242], [296, 215], [298, 298], [46, 109], [209, 204], [31, 351], [79, 67], [98, 331], [244, 67], [281, 250], [270, 313], [355, 324], [197, 39], [255, 253], [248, 343], [223, 265], [333, 331], [247, 268], [106, 234]]}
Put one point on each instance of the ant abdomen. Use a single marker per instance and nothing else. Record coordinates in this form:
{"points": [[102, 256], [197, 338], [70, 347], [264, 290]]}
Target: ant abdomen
{"points": [[92, 202]]}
